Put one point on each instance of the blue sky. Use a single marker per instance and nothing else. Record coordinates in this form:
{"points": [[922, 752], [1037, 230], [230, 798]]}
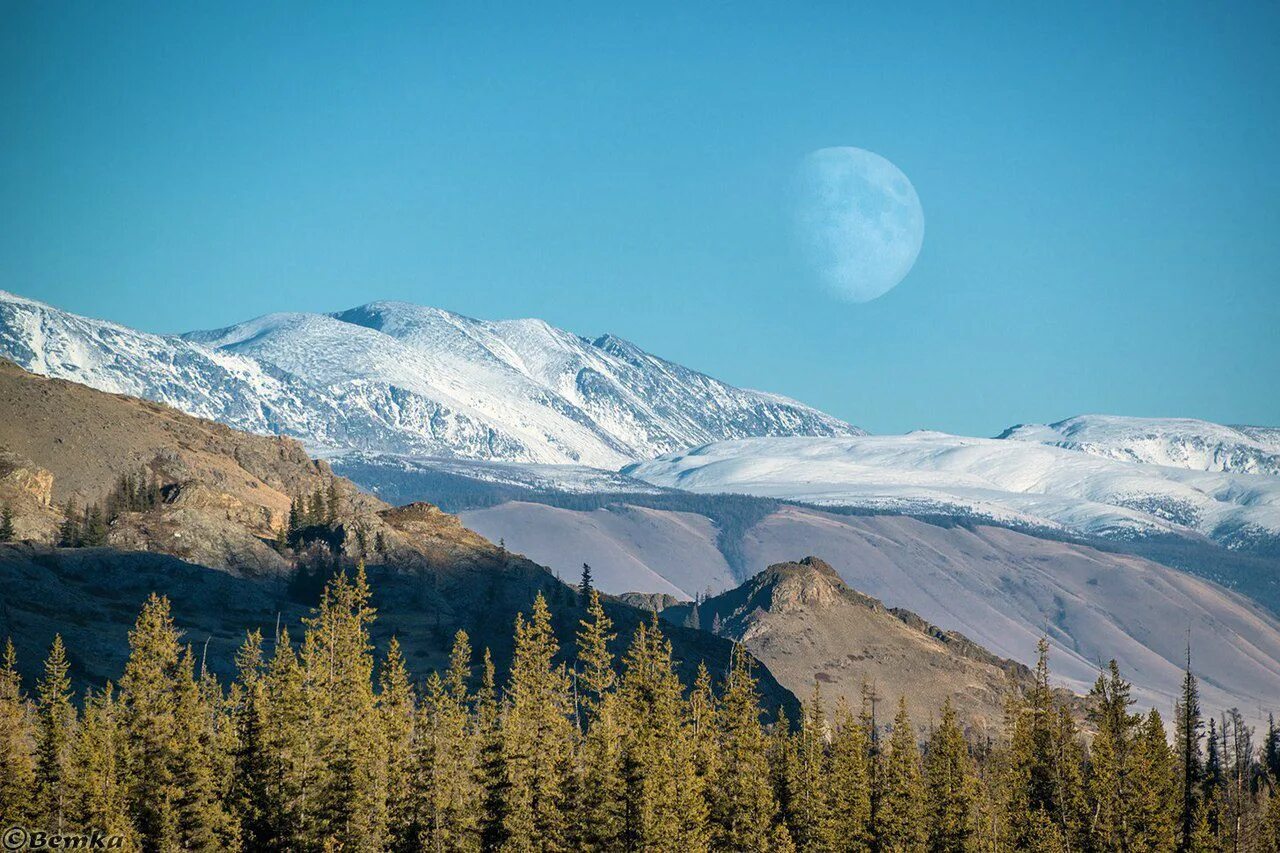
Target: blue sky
{"points": [[1101, 193]]}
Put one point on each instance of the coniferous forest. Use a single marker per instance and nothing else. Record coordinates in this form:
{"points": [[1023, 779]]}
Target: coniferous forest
{"points": [[320, 744]]}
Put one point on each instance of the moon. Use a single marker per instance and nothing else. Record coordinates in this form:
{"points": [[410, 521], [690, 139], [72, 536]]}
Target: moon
{"points": [[858, 221]]}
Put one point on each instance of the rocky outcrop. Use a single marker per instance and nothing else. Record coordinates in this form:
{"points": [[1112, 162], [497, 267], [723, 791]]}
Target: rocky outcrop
{"points": [[26, 490], [809, 627], [654, 602]]}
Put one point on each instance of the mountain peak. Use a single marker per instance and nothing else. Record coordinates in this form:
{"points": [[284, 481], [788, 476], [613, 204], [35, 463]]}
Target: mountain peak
{"points": [[406, 379]]}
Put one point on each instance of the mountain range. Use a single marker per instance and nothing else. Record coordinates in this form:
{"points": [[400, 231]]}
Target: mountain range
{"points": [[400, 378], [570, 450], [1095, 490]]}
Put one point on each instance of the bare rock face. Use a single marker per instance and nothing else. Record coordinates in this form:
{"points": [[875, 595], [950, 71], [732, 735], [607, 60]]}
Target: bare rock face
{"points": [[22, 479], [654, 602], [26, 490]]}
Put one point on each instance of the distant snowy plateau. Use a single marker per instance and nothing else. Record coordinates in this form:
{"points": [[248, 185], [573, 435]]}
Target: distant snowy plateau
{"points": [[525, 403]]}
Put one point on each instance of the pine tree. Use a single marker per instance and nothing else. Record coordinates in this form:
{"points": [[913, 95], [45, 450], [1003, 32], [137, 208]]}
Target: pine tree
{"points": [[94, 533], [741, 798], [949, 786], [1044, 808], [1153, 812], [17, 746], [850, 782], [665, 809], [350, 793], [1213, 782], [585, 587], [290, 739], [1110, 790], [901, 826], [168, 742], [446, 774], [601, 807], [69, 531], [6, 524], [537, 739], [203, 822], [55, 734], [490, 771], [810, 818], [397, 710], [252, 775], [1189, 732], [97, 787]]}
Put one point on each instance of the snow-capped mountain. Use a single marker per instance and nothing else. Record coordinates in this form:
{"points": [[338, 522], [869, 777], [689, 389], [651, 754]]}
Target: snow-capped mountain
{"points": [[1174, 442], [1020, 483], [405, 379]]}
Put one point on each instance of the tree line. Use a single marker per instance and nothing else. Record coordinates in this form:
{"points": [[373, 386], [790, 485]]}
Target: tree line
{"points": [[321, 745]]}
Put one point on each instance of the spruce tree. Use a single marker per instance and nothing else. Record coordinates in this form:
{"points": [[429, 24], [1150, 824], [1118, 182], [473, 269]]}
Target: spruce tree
{"points": [[901, 825], [600, 811], [252, 776], [810, 818], [6, 524], [702, 714], [741, 798], [449, 798], [148, 708], [1044, 789], [1189, 731], [350, 789], [17, 745], [1271, 749], [849, 782], [595, 673], [1213, 782], [291, 742], [97, 787], [69, 532], [585, 587], [950, 787], [94, 534], [203, 822], [1110, 790], [537, 739], [490, 772], [1153, 812], [55, 736], [665, 809], [397, 712]]}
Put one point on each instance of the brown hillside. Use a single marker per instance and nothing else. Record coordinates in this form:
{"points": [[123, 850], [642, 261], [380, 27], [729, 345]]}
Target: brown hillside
{"points": [[807, 625], [226, 494]]}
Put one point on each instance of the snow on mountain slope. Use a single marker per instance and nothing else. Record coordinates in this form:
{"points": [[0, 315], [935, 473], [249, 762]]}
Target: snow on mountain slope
{"points": [[210, 384], [1019, 483], [1174, 442], [405, 379]]}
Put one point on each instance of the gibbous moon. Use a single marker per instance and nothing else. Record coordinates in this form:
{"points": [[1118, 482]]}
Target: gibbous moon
{"points": [[858, 221]]}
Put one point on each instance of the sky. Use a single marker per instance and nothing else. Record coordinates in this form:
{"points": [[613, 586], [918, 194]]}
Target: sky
{"points": [[1099, 183]]}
